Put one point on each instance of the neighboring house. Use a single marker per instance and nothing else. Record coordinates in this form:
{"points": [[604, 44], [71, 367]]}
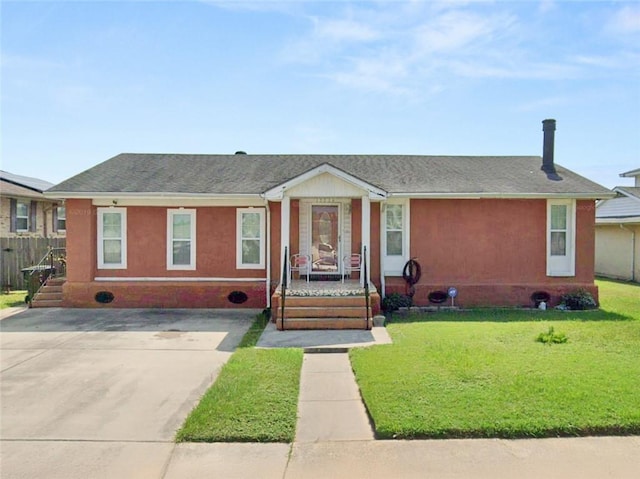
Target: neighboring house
{"points": [[165, 230], [618, 232], [29, 223]]}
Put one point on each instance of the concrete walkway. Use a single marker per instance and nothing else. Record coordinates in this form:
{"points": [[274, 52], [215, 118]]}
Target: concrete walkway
{"points": [[322, 340], [330, 407]]}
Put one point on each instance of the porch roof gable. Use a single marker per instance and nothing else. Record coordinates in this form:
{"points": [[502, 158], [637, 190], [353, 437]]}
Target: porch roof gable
{"points": [[278, 191]]}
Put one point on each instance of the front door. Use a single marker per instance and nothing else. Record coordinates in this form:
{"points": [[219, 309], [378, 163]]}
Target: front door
{"points": [[325, 239]]}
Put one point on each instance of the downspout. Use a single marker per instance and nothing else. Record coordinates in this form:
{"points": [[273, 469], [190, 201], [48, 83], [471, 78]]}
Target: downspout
{"points": [[383, 205], [633, 251], [268, 259]]}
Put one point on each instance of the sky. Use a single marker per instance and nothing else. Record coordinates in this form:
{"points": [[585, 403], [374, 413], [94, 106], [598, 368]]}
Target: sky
{"points": [[82, 81]]}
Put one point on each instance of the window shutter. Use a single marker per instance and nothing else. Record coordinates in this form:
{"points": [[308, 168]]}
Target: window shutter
{"points": [[55, 220], [13, 206], [33, 211]]}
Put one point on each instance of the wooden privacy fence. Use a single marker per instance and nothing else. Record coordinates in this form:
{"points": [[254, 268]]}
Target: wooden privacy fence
{"points": [[18, 253]]}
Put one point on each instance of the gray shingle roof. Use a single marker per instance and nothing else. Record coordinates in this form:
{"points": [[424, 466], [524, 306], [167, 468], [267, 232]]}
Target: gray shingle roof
{"points": [[17, 191], [630, 190], [35, 184], [255, 174]]}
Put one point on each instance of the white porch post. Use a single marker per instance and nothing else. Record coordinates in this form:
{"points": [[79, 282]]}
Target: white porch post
{"points": [[285, 219], [366, 237]]}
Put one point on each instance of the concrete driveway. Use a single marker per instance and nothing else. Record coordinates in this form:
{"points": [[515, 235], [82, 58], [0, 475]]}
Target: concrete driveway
{"points": [[100, 393]]}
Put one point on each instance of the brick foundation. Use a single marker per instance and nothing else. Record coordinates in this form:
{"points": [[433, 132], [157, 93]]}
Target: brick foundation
{"points": [[138, 294], [487, 295]]}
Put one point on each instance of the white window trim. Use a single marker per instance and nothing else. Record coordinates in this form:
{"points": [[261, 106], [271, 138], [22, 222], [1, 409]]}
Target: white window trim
{"points": [[406, 232], [64, 217], [239, 263], [192, 258], [123, 239], [570, 269], [23, 230]]}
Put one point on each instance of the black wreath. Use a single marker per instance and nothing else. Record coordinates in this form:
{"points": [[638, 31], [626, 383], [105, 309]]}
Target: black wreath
{"points": [[411, 273]]}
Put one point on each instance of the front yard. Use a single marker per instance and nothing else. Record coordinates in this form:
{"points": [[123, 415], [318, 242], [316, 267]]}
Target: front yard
{"points": [[482, 373], [476, 373]]}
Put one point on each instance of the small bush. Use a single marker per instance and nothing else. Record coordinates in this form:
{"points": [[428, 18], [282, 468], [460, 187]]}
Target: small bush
{"points": [[578, 300], [551, 337], [394, 301]]}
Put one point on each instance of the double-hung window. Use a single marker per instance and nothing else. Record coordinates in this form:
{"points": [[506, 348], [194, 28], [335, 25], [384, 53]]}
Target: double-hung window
{"points": [[60, 219], [561, 237], [22, 216], [181, 239], [395, 236], [250, 230], [112, 238]]}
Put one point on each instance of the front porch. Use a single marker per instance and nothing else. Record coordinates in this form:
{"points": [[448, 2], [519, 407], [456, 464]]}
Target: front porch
{"points": [[324, 305]]}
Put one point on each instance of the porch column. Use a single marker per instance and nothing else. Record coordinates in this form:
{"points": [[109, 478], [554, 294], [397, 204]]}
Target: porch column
{"points": [[366, 237], [285, 218]]}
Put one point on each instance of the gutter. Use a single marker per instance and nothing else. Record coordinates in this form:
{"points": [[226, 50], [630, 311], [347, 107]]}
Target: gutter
{"points": [[268, 253], [477, 196], [152, 195]]}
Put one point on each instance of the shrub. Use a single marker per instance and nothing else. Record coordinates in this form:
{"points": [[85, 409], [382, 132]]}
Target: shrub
{"points": [[394, 301], [579, 300]]}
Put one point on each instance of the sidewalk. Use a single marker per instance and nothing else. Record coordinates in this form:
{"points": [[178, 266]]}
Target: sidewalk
{"points": [[334, 439]]}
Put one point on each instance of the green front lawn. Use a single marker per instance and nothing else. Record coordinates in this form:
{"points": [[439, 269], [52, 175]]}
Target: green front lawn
{"points": [[482, 374], [14, 298], [254, 399]]}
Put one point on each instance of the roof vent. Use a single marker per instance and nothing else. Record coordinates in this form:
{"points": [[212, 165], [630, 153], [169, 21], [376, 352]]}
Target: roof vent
{"points": [[241, 152]]}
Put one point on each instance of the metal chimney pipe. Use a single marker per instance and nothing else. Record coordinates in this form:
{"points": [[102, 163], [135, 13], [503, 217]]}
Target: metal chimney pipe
{"points": [[548, 165]]}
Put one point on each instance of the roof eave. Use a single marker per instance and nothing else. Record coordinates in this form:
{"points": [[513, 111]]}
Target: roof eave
{"points": [[152, 196], [629, 174], [617, 220], [494, 195], [623, 191]]}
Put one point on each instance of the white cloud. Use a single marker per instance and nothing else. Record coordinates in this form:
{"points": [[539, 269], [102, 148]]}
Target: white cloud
{"points": [[382, 74], [625, 21], [344, 30], [397, 48], [8, 60], [457, 30], [546, 6]]}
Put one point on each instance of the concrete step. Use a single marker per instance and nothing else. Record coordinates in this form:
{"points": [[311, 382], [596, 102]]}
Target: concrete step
{"points": [[46, 303], [324, 323], [325, 312], [52, 289], [45, 295], [59, 281]]}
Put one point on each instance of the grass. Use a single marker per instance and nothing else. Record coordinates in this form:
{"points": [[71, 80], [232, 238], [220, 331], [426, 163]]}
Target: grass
{"points": [[254, 399], [482, 373], [619, 297], [14, 298]]}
